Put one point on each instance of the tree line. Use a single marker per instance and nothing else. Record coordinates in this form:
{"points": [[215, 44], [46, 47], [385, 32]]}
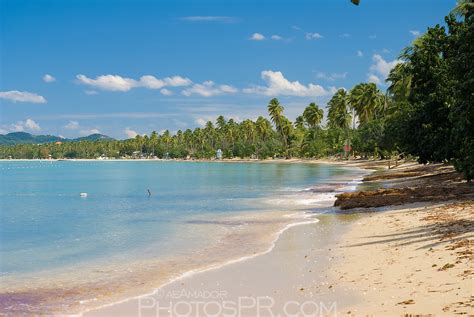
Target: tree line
{"points": [[427, 112]]}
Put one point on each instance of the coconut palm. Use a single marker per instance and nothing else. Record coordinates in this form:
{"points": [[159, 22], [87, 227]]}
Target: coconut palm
{"points": [[313, 115], [338, 110], [400, 79], [367, 100]]}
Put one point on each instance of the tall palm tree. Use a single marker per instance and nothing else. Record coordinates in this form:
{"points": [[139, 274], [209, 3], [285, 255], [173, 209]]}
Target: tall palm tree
{"points": [[400, 79], [275, 110], [313, 115], [338, 110], [367, 100]]}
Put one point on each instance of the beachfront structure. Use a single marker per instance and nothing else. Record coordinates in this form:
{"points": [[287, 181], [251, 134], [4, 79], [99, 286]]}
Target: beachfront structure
{"points": [[219, 154]]}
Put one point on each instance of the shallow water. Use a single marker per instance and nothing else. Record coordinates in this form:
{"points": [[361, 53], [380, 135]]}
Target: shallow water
{"points": [[61, 252]]}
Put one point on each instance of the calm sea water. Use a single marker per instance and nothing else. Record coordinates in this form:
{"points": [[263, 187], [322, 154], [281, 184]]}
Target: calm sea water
{"points": [[46, 226]]}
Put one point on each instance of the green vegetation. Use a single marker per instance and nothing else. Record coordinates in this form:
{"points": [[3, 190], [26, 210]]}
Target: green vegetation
{"points": [[427, 111]]}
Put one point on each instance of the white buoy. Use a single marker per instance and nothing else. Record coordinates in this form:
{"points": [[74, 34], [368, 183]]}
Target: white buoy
{"points": [[83, 195]]}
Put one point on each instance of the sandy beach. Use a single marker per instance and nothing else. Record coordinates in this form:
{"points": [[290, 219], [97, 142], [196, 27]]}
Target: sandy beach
{"points": [[411, 258]]}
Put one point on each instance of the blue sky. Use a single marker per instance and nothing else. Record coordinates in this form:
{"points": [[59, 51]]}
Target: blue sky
{"points": [[75, 67]]}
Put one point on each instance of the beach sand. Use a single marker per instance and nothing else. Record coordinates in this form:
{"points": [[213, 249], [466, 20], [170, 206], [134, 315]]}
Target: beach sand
{"points": [[411, 258]]}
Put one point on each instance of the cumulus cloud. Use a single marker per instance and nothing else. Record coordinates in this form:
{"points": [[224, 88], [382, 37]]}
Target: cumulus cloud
{"points": [[277, 84], [108, 82], [276, 37], [210, 18], [20, 126], [72, 125], [415, 33], [380, 68], [372, 78], [119, 83], [257, 37], [130, 133], [313, 36], [22, 96], [201, 121], [47, 78], [360, 54], [166, 92], [32, 125], [209, 89]]}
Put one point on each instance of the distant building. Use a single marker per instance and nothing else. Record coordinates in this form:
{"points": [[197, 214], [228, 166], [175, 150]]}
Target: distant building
{"points": [[219, 154]]}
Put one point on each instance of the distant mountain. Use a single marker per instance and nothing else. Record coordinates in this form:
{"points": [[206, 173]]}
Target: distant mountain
{"points": [[27, 138], [95, 137]]}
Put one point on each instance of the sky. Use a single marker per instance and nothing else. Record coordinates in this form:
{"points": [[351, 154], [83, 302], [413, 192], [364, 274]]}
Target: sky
{"points": [[121, 68]]}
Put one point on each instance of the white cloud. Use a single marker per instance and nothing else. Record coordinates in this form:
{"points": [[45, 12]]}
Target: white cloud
{"points": [[109, 82], [208, 89], [19, 126], [276, 37], [415, 33], [257, 37], [360, 54], [313, 36], [385, 50], [48, 78], [224, 19], [119, 83], [90, 92], [130, 133], [373, 79], [297, 28], [277, 84], [89, 131], [201, 121], [166, 92], [381, 66], [332, 76], [72, 125], [22, 96], [32, 125]]}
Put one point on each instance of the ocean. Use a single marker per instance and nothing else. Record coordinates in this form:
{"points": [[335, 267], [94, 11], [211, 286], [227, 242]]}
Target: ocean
{"points": [[80, 234]]}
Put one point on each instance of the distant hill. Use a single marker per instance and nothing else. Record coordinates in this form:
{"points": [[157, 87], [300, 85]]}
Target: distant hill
{"points": [[27, 138], [94, 137]]}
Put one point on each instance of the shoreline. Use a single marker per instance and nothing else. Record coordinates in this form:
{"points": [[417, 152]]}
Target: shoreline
{"points": [[124, 304], [328, 285], [127, 288]]}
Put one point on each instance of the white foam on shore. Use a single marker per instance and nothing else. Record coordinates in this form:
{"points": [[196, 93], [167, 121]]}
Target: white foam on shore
{"points": [[213, 267], [351, 185]]}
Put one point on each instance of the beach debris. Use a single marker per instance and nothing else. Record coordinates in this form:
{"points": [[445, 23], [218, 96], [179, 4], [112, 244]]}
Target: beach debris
{"points": [[446, 266], [84, 195], [407, 302]]}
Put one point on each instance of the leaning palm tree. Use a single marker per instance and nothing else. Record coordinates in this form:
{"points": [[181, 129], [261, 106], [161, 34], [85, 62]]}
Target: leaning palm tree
{"points": [[464, 8], [400, 79]]}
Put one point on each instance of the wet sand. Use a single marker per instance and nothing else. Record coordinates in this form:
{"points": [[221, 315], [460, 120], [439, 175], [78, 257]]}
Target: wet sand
{"points": [[296, 271], [412, 258]]}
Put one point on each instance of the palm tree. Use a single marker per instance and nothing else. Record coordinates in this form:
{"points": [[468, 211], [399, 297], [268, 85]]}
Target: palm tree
{"points": [[464, 8], [313, 115], [275, 110], [366, 99], [338, 110], [400, 79]]}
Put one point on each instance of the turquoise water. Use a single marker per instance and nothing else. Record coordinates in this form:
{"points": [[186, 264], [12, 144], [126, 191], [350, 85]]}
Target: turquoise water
{"points": [[46, 225]]}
